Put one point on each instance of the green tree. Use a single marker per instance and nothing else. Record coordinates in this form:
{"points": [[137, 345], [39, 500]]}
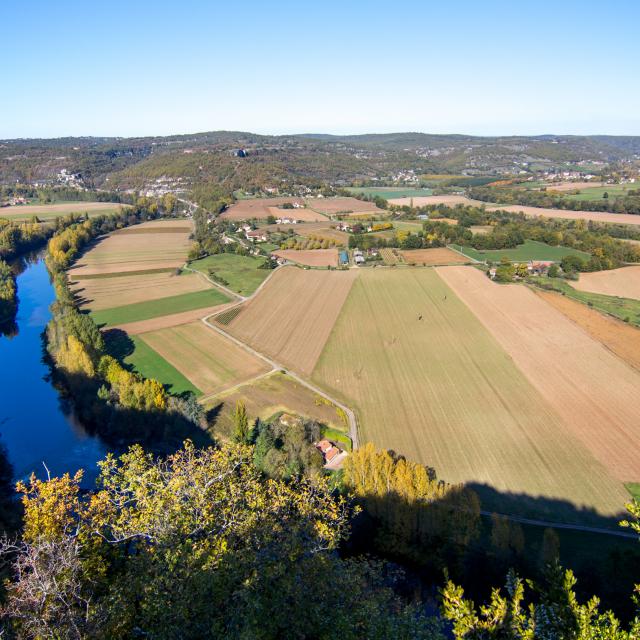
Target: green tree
{"points": [[240, 424]]}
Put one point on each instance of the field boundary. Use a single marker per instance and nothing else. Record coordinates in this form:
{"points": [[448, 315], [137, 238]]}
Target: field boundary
{"points": [[351, 417]]}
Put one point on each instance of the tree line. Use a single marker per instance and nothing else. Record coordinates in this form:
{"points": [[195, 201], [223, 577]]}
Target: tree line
{"points": [[629, 203], [201, 544], [122, 406]]}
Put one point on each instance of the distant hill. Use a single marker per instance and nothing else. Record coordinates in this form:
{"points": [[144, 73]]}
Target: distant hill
{"points": [[212, 160]]}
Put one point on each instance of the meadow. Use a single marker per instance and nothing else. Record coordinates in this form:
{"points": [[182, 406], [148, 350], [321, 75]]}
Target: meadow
{"points": [[529, 250], [390, 192], [242, 274], [160, 307], [150, 364], [597, 193], [428, 380]]}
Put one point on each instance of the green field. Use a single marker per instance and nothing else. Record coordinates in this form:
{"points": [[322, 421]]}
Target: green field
{"points": [[626, 309], [390, 192], [634, 489], [428, 381], [160, 307], [241, 272], [596, 193], [529, 250], [150, 364]]}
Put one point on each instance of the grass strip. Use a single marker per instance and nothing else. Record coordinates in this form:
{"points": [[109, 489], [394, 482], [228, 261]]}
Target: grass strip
{"points": [[161, 307]]}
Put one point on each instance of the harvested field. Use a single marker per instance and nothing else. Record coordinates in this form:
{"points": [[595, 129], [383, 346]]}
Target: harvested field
{"points": [[104, 293], [261, 208], [51, 211], [596, 216], [596, 394], [624, 282], [208, 360], [430, 382], [291, 317], [619, 337], [140, 228], [447, 220], [333, 206], [480, 229], [268, 396], [433, 257], [170, 320], [450, 201], [120, 253], [311, 257]]}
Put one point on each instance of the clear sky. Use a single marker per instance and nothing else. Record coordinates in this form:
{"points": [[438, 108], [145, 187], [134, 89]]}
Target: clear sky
{"points": [[142, 67]]}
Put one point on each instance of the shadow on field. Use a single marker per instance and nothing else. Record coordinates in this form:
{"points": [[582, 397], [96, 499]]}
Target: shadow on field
{"points": [[543, 508]]}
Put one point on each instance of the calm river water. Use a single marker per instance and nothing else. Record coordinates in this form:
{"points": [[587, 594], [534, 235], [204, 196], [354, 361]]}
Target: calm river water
{"points": [[36, 424]]}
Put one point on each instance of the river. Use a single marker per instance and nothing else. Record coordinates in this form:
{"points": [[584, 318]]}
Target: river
{"points": [[37, 425]]}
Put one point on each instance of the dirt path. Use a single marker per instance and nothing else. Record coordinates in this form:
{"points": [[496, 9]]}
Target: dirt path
{"points": [[353, 425]]}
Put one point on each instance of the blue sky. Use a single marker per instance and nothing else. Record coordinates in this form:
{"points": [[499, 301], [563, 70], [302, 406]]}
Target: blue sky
{"points": [[152, 68]]}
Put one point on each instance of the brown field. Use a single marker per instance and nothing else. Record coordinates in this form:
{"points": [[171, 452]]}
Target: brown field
{"points": [[210, 361], [433, 257], [428, 380], [58, 209], [322, 231], [269, 395], [311, 257], [103, 293], [624, 282], [572, 186], [423, 201], [619, 337], [596, 394], [596, 216], [292, 316], [331, 206], [261, 208], [171, 320], [480, 229], [119, 252], [447, 220]]}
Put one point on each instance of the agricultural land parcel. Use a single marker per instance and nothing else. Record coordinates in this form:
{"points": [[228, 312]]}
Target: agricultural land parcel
{"points": [[51, 211], [624, 282], [262, 208], [241, 273], [596, 394], [529, 250], [311, 257], [452, 201], [390, 192], [291, 317], [620, 337], [211, 362], [269, 395], [429, 381], [431, 257]]}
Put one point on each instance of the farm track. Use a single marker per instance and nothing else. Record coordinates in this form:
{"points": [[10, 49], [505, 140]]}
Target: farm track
{"points": [[276, 366]]}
